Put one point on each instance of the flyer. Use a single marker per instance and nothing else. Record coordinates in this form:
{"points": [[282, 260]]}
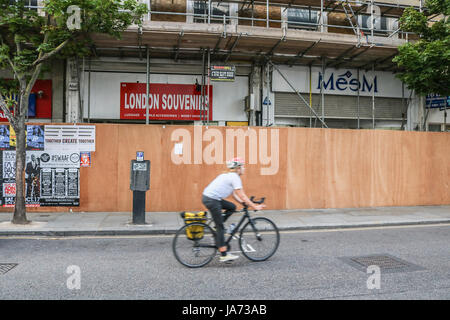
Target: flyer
{"points": [[35, 137]]}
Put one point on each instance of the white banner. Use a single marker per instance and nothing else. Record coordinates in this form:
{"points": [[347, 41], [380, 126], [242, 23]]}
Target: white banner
{"points": [[69, 138], [339, 82]]}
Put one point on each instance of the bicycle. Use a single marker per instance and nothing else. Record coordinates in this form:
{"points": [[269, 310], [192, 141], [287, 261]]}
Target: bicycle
{"points": [[196, 251]]}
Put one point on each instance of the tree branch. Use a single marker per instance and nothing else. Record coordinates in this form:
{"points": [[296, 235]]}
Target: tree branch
{"points": [[6, 112], [33, 79], [43, 42], [9, 59], [49, 54]]}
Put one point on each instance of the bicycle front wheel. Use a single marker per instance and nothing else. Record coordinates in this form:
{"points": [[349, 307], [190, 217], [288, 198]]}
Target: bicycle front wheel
{"points": [[259, 239], [194, 245]]}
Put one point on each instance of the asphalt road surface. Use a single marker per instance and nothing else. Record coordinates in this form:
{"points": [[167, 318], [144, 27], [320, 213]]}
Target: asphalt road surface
{"points": [[307, 265]]}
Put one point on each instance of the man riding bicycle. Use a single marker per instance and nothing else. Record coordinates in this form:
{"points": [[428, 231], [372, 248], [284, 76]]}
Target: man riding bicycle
{"points": [[213, 198]]}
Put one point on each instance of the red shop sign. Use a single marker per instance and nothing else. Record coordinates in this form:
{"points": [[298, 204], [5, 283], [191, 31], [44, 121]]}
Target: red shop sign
{"points": [[166, 101]]}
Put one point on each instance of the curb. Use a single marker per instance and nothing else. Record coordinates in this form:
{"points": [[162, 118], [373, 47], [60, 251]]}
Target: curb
{"points": [[137, 232]]}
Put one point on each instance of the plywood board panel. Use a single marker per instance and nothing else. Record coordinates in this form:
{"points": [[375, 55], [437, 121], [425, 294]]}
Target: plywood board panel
{"points": [[305, 169], [343, 151], [98, 182], [315, 168], [186, 182]]}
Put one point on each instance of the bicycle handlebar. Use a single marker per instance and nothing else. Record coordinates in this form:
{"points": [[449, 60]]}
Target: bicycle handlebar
{"points": [[260, 201]]}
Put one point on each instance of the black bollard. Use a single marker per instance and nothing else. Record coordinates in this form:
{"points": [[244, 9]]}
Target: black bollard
{"points": [[139, 207]]}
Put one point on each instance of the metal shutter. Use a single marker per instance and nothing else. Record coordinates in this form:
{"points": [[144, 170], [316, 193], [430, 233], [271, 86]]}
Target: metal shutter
{"points": [[338, 106]]}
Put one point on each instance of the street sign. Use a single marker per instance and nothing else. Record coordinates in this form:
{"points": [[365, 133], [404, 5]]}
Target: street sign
{"points": [[222, 73], [436, 101], [267, 102]]}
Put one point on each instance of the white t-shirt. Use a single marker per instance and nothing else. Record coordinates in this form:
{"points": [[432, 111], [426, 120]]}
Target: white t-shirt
{"points": [[223, 185]]}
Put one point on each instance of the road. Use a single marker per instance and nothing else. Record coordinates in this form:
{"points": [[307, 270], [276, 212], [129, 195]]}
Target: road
{"points": [[307, 265]]}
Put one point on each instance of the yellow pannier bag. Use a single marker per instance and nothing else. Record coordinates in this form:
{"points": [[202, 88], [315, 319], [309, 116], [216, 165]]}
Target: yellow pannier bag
{"points": [[194, 232]]}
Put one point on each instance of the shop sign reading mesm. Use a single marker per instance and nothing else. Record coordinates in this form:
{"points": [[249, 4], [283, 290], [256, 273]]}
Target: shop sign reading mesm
{"points": [[166, 101]]}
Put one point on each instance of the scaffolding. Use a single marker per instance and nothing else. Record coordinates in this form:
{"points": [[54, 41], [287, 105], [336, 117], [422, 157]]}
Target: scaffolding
{"points": [[327, 33], [256, 15]]}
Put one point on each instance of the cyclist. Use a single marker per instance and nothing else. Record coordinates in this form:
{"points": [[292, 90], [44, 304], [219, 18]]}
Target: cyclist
{"points": [[213, 198]]}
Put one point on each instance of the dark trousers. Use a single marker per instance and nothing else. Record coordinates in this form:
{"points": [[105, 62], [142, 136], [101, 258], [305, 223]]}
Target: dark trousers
{"points": [[216, 207]]}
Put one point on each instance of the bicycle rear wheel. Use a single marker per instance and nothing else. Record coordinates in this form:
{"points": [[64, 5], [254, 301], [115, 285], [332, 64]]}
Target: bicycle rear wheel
{"points": [[259, 239], [194, 249]]}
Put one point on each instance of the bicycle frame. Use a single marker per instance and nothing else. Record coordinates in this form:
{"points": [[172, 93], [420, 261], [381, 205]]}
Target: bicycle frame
{"points": [[238, 227], [245, 217]]}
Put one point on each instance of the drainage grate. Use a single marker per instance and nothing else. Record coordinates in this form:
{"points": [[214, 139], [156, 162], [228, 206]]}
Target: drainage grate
{"points": [[385, 262], [5, 267]]}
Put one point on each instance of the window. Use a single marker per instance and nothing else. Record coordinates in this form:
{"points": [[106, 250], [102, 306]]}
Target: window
{"points": [[434, 127], [302, 18], [218, 10], [28, 3]]}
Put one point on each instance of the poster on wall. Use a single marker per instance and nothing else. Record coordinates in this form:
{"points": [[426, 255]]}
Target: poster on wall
{"points": [[32, 178], [8, 177], [60, 187], [85, 159], [62, 159], [60, 178], [12, 138], [52, 164], [69, 138], [51, 178], [4, 137], [35, 137]]}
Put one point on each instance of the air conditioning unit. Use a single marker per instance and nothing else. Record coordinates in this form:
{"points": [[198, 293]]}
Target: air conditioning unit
{"points": [[250, 102]]}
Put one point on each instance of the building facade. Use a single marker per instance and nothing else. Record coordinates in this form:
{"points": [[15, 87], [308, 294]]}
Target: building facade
{"points": [[307, 63]]}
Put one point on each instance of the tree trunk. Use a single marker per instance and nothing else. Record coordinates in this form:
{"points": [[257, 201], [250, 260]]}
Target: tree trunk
{"points": [[20, 208]]}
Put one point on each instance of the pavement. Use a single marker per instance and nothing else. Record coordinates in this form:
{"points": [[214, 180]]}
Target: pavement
{"points": [[60, 224]]}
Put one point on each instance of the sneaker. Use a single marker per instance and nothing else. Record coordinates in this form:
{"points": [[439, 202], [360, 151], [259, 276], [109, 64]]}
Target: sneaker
{"points": [[228, 257]]}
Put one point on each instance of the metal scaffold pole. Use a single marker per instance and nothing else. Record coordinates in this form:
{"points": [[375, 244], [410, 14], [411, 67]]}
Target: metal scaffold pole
{"points": [[310, 95], [202, 104], [321, 15], [298, 94], [322, 89], [147, 87], [268, 94], [358, 100], [209, 83], [209, 11], [373, 96], [89, 92], [372, 22]]}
